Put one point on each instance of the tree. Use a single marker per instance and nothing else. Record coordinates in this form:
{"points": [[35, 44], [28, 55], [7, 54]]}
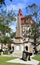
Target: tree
{"points": [[35, 33], [34, 11], [13, 34], [5, 20], [3, 2]]}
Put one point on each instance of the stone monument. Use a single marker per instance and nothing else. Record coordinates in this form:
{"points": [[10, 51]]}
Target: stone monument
{"points": [[18, 42]]}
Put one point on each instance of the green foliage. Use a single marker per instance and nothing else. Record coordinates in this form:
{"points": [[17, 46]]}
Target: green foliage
{"points": [[33, 6], [13, 35], [28, 17], [35, 33], [34, 10], [5, 20], [3, 1], [5, 39], [4, 28]]}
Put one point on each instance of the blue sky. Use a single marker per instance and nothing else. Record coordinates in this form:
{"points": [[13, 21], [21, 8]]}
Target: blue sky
{"points": [[16, 4]]}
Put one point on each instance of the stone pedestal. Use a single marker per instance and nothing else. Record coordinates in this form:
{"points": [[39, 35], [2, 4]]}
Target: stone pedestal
{"points": [[18, 49]]}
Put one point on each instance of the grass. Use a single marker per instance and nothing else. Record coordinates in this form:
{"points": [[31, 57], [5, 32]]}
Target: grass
{"points": [[4, 59], [37, 57]]}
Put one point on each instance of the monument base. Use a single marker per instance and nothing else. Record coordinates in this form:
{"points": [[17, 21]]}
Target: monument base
{"points": [[18, 49]]}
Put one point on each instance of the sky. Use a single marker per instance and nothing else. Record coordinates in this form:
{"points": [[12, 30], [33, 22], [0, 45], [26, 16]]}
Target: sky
{"points": [[16, 4]]}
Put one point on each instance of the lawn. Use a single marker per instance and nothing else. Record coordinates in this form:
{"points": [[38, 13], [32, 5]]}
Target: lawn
{"points": [[37, 57], [4, 59]]}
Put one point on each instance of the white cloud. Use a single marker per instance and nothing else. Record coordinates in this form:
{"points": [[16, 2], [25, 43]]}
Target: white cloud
{"points": [[16, 6]]}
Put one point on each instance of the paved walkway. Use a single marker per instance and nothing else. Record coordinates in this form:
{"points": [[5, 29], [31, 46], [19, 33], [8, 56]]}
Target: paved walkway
{"points": [[18, 60]]}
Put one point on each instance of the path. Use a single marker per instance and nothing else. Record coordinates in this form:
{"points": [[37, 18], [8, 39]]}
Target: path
{"points": [[32, 62]]}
